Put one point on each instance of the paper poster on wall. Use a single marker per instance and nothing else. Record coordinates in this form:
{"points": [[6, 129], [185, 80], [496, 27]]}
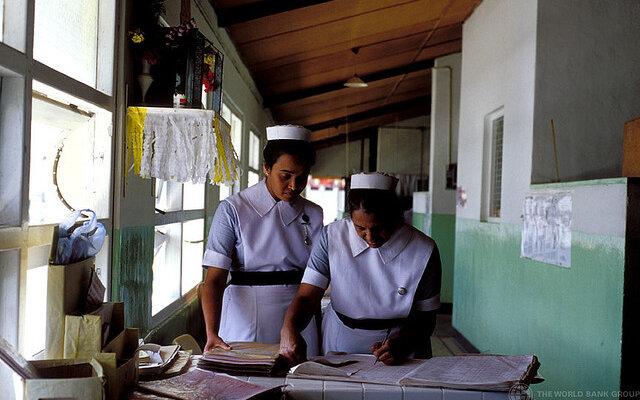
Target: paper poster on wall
{"points": [[546, 228]]}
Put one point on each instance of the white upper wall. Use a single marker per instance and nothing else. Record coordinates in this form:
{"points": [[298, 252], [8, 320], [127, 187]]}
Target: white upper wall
{"points": [[399, 150], [498, 61], [445, 118], [588, 82]]}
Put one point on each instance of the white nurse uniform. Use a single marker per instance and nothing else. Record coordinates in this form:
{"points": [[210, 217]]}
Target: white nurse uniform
{"points": [[262, 242], [372, 289]]}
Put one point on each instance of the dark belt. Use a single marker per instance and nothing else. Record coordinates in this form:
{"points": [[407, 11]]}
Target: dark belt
{"points": [[370, 324], [266, 278]]}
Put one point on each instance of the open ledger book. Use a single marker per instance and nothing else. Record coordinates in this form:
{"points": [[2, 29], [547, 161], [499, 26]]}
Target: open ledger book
{"points": [[477, 372]]}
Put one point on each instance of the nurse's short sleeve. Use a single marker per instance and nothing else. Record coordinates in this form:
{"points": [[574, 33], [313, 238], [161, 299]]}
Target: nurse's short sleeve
{"points": [[428, 293], [222, 237], [317, 272]]}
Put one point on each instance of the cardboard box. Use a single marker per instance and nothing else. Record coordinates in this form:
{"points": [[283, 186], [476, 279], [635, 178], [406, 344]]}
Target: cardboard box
{"points": [[67, 287], [631, 149], [66, 379], [119, 360]]}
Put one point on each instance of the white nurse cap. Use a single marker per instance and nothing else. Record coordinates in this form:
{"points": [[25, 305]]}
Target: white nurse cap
{"points": [[290, 132], [373, 180]]}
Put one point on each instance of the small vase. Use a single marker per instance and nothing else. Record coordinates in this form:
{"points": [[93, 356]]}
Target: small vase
{"points": [[145, 79]]}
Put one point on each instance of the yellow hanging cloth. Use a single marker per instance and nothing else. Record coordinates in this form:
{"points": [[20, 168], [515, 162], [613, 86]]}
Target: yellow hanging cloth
{"points": [[135, 125]]}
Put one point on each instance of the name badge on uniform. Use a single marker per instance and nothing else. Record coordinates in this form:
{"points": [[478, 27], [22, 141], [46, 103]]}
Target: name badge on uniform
{"points": [[305, 222]]}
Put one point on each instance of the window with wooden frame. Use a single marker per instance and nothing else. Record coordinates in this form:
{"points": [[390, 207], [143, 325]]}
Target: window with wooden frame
{"points": [[492, 166], [56, 142]]}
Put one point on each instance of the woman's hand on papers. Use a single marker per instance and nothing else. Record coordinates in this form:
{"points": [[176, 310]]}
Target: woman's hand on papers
{"points": [[383, 352], [293, 348], [214, 341]]}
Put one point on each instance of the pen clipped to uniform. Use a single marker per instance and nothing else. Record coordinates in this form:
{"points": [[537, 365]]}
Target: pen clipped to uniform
{"points": [[383, 342]]}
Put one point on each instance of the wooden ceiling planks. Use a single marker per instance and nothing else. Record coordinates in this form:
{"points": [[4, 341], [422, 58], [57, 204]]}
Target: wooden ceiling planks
{"points": [[339, 31], [301, 57], [368, 58]]}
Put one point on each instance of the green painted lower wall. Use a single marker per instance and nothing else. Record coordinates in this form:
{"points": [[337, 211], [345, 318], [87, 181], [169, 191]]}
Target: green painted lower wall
{"points": [[443, 231], [132, 275], [442, 228], [571, 318]]}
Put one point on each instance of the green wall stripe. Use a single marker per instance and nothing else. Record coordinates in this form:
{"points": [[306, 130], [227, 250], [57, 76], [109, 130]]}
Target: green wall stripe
{"points": [[571, 318], [593, 182], [132, 274], [417, 220], [443, 231]]}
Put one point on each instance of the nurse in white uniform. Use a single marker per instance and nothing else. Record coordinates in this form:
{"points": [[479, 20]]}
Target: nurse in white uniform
{"points": [[262, 236], [385, 281]]}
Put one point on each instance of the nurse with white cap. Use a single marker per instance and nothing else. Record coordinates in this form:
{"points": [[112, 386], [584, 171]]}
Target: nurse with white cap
{"points": [[262, 237], [385, 281]]}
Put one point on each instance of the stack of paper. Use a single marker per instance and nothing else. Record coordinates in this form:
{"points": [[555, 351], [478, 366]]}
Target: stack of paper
{"points": [[244, 358], [198, 384], [154, 359], [480, 372]]}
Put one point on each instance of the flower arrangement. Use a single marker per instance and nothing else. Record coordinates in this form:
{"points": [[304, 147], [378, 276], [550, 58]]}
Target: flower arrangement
{"points": [[208, 77], [177, 34], [147, 51]]}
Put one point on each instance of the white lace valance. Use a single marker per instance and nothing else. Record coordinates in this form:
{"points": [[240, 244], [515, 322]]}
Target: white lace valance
{"points": [[182, 145]]}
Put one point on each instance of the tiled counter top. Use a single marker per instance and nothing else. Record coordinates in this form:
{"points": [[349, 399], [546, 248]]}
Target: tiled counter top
{"points": [[306, 389]]}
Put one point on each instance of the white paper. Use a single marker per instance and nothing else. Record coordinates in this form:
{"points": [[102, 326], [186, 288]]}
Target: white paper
{"points": [[471, 372], [546, 228]]}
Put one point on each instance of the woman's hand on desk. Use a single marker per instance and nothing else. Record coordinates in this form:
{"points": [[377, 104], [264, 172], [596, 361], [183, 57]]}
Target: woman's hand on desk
{"points": [[383, 352], [214, 342], [293, 348]]}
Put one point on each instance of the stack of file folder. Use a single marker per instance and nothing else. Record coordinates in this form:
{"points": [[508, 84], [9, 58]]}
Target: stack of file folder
{"points": [[244, 358]]}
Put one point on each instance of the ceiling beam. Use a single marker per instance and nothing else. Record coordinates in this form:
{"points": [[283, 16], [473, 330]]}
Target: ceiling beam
{"points": [[341, 138], [386, 109], [334, 86], [248, 12]]}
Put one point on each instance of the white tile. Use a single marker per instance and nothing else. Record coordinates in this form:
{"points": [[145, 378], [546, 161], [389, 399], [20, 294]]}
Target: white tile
{"points": [[266, 380], [418, 393], [303, 389], [452, 394], [335, 390], [374, 391], [495, 396]]}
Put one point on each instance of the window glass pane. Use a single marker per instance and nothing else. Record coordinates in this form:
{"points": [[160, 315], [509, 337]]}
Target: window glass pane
{"points": [[168, 195], [11, 149], [254, 150], [36, 303], [225, 191], [1, 20], [236, 134], [226, 113], [70, 139], [192, 251], [66, 37], [204, 97], [252, 178], [13, 17], [9, 284], [496, 184], [166, 266], [193, 196]]}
